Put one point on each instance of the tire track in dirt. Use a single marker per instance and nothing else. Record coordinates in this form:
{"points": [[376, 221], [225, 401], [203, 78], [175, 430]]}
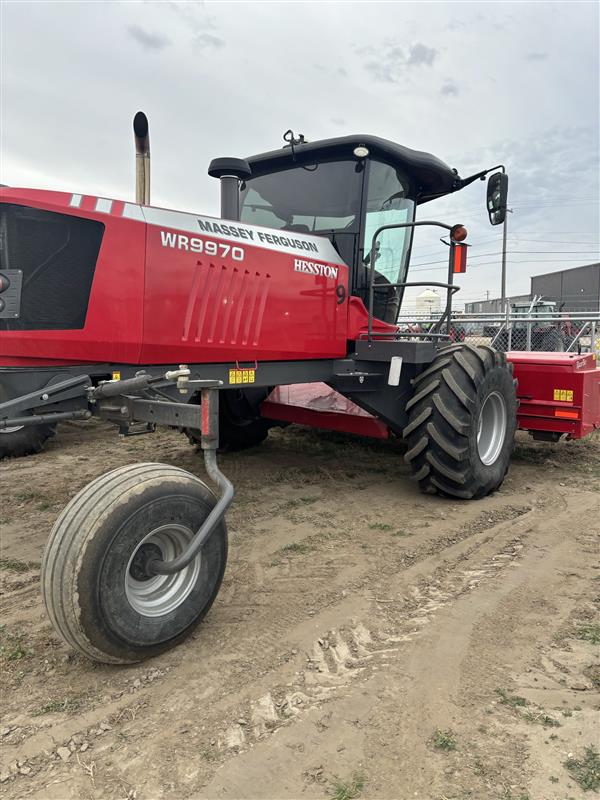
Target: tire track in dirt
{"points": [[436, 666], [423, 603], [267, 617]]}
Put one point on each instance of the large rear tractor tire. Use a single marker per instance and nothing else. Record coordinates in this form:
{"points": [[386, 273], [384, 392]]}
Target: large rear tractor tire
{"points": [[99, 592], [24, 440], [462, 421]]}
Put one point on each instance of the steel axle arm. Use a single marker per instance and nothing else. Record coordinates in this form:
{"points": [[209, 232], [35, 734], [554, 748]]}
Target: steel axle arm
{"points": [[209, 444]]}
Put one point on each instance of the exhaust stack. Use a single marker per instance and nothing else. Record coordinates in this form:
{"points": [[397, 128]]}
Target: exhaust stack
{"points": [[142, 159]]}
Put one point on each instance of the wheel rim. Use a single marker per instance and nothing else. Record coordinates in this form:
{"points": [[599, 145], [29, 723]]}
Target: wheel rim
{"points": [[14, 429], [491, 428], [157, 595]]}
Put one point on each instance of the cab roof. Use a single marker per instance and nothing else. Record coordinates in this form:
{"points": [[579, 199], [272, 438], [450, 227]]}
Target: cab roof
{"points": [[430, 177]]}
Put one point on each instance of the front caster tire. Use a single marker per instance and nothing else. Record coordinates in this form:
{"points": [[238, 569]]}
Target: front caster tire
{"points": [[96, 589], [462, 421]]}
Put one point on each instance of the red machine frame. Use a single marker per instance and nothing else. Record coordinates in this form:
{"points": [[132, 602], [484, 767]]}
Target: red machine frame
{"points": [[559, 394]]}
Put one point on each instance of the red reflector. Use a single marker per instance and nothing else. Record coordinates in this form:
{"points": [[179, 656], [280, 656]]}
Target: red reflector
{"points": [[566, 414], [460, 258]]}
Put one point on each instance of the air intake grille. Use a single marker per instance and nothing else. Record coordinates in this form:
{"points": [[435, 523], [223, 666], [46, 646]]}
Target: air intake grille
{"points": [[57, 255]]}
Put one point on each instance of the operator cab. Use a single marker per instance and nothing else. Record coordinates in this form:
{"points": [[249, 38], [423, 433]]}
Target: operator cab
{"points": [[345, 189]]}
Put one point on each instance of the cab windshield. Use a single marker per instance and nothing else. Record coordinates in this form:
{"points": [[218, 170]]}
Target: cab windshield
{"points": [[326, 199], [323, 199]]}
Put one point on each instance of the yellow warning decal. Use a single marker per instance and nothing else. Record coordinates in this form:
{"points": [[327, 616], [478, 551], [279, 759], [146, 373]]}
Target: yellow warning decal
{"points": [[565, 395], [116, 376], [242, 376]]}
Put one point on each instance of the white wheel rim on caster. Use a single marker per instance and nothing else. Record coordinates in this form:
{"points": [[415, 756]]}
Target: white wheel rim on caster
{"points": [[161, 594], [14, 429], [491, 428]]}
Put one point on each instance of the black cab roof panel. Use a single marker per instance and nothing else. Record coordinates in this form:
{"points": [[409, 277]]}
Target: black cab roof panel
{"points": [[431, 176]]}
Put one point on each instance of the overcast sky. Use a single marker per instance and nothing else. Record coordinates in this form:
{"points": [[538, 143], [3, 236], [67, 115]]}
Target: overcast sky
{"points": [[475, 83]]}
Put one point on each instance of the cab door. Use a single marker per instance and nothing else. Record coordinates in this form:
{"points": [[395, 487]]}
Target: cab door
{"points": [[386, 202]]}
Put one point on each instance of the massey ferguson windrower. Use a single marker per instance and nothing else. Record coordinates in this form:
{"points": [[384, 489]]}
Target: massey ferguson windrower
{"points": [[144, 316]]}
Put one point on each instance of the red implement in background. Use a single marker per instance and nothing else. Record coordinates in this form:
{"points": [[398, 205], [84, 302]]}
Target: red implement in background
{"points": [[559, 393]]}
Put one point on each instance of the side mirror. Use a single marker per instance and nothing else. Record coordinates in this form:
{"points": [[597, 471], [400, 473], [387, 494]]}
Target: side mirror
{"points": [[497, 197]]}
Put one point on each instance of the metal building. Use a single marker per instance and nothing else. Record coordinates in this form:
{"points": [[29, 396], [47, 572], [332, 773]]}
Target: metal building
{"points": [[495, 306], [576, 289]]}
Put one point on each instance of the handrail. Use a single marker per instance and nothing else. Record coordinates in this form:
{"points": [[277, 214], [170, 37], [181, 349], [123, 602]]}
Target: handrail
{"points": [[372, 259]]}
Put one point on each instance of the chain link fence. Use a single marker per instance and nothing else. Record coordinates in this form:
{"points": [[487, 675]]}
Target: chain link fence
{"points": [[548, 332]]}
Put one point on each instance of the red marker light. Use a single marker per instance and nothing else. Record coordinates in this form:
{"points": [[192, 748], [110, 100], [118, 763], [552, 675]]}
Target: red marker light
{"points": [[458, 233], [4, 283], [459, 256]]}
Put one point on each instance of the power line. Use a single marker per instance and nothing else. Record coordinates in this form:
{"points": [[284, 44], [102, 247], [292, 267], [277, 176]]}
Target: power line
{"points": [[515, 252], [521, 239], [555, 241], [420, 268], [556, 205]]}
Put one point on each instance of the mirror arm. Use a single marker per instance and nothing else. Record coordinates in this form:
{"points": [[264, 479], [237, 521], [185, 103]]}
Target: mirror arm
{"points": [[480, 175]]}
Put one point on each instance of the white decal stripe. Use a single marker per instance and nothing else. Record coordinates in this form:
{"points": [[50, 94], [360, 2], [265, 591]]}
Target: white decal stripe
{"points": [[104, 205], [131, 211], [179, 220], [76, 200]]}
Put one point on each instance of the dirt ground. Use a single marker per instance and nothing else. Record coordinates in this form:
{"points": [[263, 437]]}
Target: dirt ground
{"points": [[367, 642]]}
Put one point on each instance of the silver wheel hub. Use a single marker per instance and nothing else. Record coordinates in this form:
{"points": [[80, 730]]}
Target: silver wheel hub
{"points": [[14, 429], [156, 595], [491, 428]]}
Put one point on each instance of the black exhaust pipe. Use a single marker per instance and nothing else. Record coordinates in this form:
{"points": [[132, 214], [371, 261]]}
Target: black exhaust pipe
{"points": [[230, 172]]}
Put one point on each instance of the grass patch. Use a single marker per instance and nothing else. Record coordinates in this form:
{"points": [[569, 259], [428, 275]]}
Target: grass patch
{"points": [[593, 673], [479, 768], [13, 647], [585, 771], [512, 700], [380, 526], [295, 475], [14, 565], [288, 505], [589, 633], [444, 740], [348, 790], [28, 495], [400, 534], [543, 719], [69, 704], [297, 547]]}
